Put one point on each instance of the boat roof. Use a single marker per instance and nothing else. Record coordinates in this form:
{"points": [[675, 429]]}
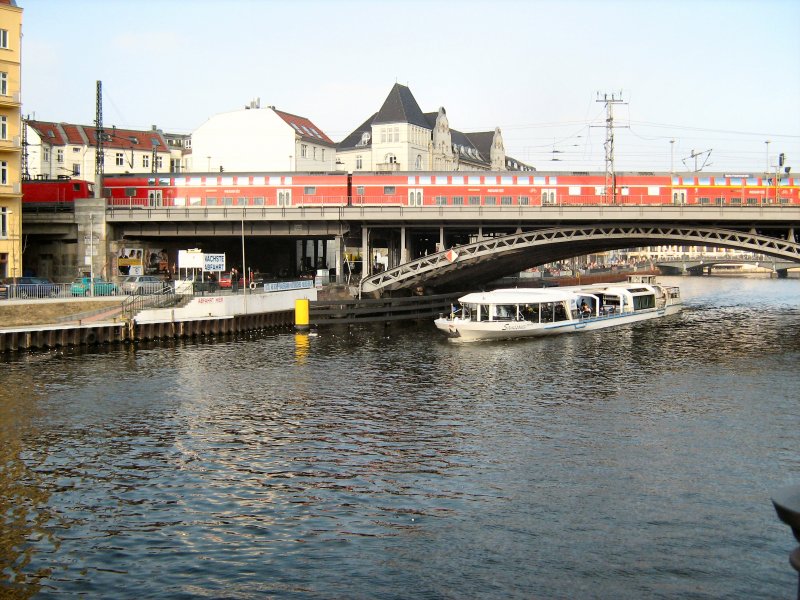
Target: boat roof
{"points": [[519, 296]]}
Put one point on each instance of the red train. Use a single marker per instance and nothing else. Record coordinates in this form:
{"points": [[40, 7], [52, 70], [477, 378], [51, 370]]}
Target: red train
{"points": [[446, 189]]}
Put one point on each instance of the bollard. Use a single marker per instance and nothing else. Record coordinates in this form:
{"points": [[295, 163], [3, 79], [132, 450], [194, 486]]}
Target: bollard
{"points": [[301, 314], [787, 504]]}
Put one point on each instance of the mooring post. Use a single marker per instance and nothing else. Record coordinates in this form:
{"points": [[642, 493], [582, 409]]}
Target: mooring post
{"points": [[787, 505]]}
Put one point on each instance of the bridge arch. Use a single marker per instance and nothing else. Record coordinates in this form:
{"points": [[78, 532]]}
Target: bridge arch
{"points": [[471, 265]]}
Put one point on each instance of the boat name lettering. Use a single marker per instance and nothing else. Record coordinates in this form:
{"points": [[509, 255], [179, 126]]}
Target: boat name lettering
{"points": [[513, 326]]}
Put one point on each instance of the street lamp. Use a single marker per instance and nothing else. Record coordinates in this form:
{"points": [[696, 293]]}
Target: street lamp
{"points": [[766, 169], [91, 254]]}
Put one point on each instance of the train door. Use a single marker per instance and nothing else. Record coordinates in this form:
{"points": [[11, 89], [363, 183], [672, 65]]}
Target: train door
{"points": [[415, 197], [548, 197], [284, 198], [679, 196], [155, 198]]}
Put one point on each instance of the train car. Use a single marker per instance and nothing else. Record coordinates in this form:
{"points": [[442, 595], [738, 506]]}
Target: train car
{"points": [[57, 194], [201, 190], [419, 189]]}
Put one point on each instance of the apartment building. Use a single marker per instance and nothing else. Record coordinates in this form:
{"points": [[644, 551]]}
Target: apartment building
{"points": [[10, 139]]}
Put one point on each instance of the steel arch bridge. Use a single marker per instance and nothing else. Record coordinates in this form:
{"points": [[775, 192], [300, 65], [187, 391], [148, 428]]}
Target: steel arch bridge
{"points": [[471, 265]]}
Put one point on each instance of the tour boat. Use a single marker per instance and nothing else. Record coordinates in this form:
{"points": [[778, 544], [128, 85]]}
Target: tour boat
{"points": [[528, 312]]}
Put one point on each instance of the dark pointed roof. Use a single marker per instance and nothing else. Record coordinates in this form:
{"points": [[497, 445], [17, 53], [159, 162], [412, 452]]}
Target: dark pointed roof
{"points": [[401, 107], [354, 140], [482, 140]]}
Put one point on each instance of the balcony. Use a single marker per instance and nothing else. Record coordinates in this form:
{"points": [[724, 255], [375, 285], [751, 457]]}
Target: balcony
{"points": [[12, 99], [387, 167]]}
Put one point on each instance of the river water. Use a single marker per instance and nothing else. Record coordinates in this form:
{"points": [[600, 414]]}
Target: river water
{"points": [[628, 463]]}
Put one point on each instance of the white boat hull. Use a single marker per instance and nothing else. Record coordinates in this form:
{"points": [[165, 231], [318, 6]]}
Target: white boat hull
{"points": [[468, 331]]}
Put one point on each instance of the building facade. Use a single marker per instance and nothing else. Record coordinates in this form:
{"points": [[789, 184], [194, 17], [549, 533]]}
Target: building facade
{"points": [[10, 139], [55, 150], [400, 137], [260, 139]]}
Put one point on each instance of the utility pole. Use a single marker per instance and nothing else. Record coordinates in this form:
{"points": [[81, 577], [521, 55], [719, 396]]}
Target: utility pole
{"points": [[611, 177], [99, 156]]}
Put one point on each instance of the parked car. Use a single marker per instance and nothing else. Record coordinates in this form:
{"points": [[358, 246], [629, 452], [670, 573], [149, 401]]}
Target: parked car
{"points": [[82, 287], [144, 284], [28, 287]]}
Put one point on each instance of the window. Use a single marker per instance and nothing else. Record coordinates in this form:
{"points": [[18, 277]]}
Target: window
{"points": [[46, 154], [523, 201], [227, 201], [391, 159], [3, 38], [159, 161], [389, 190], [719, 201], [146, 161], [359, 190], [3, 127], [3, 223], [3, 173], [752, 201], [76, 169], [314, 152], [736, 200], [322, 151], [505, 200], [211, 201], [490, 200], [474, 200], [60, 155], [3, 84], [309, 190], [441, 200], [303, 150], [119, 159], [458, 200], [418, 162], [359, 162], [241, 201], [704, 200]]}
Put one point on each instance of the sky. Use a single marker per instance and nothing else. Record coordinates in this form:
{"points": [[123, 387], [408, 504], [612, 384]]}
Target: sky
{"points": [[704, 84]]}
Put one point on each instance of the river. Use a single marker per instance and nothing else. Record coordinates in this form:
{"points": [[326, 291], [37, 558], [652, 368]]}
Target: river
{"points": [[635, 462]]}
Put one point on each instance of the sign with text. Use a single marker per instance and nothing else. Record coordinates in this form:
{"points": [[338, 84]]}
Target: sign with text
{"points": [[214, 262], [190, 259]]}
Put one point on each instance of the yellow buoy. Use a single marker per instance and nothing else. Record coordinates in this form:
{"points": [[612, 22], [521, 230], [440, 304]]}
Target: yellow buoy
{"points": [[301, 314]]}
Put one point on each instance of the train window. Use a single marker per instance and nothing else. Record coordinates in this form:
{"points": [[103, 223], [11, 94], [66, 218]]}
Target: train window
{"points": [[539, 180], [523, 180], [227, 201], [195, 201], [211, 201], [752, 181], [424, 180], [130, 192], [180, 181], [736, 200], [720, 181], [274, 180], [704, 181], [490, 200], [309, 190], [752, 200], [505, 200], [676, 180], [553, 180], [653, 190], [506, 180], [736, 180], [458, 180], [626, 191], [259, 180], [226, 181], [574, 190], [441, 200], [719, 201], [458, 200], [389, 190], [359, 190], [474, 200], [76, 187], [258, 201], [704, 200], [287, 180], [241, 201], [523, 201], [440, 180], [474, 180], [490, 180]]}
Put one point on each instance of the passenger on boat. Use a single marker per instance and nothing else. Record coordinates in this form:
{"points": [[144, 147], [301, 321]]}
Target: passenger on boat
{"points": [[585, 310]]}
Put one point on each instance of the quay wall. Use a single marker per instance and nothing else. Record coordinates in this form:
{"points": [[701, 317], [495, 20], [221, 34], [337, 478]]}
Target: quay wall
{"points": [[203, 316]]}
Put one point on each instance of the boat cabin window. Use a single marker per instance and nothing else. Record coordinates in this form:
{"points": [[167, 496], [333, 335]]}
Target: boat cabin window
{"points": [[644, 301], [483, 312], [505, 312]]}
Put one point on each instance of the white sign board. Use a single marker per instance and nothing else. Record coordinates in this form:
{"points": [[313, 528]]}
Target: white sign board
{"points": [[214, 262], [190, 259]]}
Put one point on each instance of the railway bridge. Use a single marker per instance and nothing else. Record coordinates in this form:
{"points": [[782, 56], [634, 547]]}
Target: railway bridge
{"points": [[439, 247]]}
